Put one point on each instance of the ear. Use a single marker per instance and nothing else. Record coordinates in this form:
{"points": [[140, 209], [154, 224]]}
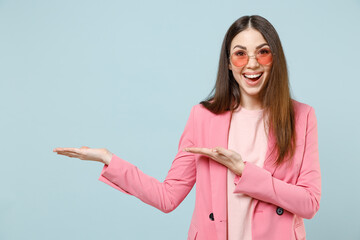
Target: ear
{"points": [[230, 66]]}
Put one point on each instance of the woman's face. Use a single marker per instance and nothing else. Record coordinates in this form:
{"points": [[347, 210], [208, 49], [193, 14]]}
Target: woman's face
{"points": [[252, 75]]}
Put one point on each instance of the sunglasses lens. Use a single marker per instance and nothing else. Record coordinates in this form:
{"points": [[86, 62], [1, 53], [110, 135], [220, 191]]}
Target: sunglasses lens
{"points": [[264, 56], [239, 58]]}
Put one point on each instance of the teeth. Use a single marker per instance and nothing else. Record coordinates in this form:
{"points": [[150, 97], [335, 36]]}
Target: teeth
{"points": [[253, 76]]}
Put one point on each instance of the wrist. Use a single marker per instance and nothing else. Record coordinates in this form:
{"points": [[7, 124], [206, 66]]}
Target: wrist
{"points": [[240, 168], [107, 157]]}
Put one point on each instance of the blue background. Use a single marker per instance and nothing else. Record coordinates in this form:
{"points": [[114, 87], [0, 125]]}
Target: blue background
{"points": [[124, 75]]}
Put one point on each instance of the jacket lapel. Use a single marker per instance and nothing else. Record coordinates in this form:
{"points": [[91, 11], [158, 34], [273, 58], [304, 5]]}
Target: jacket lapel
{"points": [[218, 137]]}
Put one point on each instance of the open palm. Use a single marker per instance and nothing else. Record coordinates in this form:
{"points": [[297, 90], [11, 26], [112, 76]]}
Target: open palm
{"points": [[85, 153]]}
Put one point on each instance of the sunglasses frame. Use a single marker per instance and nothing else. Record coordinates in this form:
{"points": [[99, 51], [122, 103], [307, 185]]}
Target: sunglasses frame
{"points": [[253, 56]]}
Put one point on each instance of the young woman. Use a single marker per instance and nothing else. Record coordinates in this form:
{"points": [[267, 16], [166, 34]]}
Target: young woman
{"points": [[250, 148]]}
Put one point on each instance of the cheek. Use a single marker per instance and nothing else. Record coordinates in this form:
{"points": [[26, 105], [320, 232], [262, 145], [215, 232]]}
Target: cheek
{"points": [[236, 71], [237, 74], [267, 71]]}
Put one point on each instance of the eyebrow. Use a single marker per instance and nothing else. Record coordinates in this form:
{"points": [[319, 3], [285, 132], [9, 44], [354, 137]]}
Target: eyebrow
{"points": [[242, 47]]}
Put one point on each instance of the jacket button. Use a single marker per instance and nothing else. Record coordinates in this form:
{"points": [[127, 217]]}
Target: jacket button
{"points": [[279, 211], [211, 216]]}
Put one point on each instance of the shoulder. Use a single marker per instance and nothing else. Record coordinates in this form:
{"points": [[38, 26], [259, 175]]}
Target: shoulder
{"points": [[304, 113], [302, 108], [200, 111]]}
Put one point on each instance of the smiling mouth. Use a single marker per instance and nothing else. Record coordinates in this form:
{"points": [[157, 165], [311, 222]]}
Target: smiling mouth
{"points": [[253, 77]]}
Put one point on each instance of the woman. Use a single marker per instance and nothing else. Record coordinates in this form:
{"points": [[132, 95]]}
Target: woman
{"points": [[250, 148]]}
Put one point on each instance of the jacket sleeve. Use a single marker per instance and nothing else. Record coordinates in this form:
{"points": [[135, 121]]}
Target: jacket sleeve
{"points": [[302, 198], [166, 195]]}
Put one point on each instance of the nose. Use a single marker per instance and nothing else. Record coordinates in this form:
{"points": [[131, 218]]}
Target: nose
{"points": [[252, 62]]}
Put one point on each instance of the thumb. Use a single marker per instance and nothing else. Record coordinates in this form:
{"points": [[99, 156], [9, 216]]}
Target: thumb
{"points": [[222, 151]]}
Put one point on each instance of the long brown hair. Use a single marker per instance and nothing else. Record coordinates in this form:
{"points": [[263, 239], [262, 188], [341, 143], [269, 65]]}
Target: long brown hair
{"points": [[275, 94]]}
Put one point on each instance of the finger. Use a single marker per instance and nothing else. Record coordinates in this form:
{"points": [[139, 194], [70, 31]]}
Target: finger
{"points": [[68, 154], [65, 153], [73, 155], [73, 150], [223, 151], [57, 149], [199, 150], [204, 151]]}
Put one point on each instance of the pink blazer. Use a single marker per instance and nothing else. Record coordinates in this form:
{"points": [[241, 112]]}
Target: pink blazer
{"points": [[283, 195]]}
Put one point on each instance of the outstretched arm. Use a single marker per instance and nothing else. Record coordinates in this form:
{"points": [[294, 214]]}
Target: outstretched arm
{"points": [[126, 177], [166, 195]]}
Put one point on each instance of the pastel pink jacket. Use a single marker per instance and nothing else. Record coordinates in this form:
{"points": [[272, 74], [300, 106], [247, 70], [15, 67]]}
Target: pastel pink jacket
{"points": [[283, 195]]}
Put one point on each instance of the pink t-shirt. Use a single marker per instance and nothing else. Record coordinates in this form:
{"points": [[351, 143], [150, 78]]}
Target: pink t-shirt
{"points": [[247, 136]]}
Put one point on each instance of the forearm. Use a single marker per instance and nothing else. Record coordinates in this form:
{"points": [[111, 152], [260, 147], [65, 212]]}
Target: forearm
{"points": [[302, 200], [165, 196]]}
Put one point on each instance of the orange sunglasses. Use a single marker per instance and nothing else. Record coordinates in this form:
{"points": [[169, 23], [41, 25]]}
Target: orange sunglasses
{"points": [[240, 58]]}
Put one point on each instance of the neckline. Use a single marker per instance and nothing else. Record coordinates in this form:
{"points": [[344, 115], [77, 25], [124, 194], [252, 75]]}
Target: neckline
{"points": [[250, 112]]}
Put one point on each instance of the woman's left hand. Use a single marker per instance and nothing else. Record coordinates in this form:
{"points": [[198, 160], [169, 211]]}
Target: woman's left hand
{"points": [[229, 158]]}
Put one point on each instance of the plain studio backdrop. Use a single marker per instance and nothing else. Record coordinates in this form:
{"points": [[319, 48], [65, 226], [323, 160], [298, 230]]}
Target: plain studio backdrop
{"points": [[124, 75]]}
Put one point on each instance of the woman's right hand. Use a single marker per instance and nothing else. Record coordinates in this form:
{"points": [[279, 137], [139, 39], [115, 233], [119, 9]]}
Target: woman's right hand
{"points": [[85, 153]]}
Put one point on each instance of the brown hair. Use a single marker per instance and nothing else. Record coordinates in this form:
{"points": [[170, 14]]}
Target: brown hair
{"points": [[275, 94]]}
